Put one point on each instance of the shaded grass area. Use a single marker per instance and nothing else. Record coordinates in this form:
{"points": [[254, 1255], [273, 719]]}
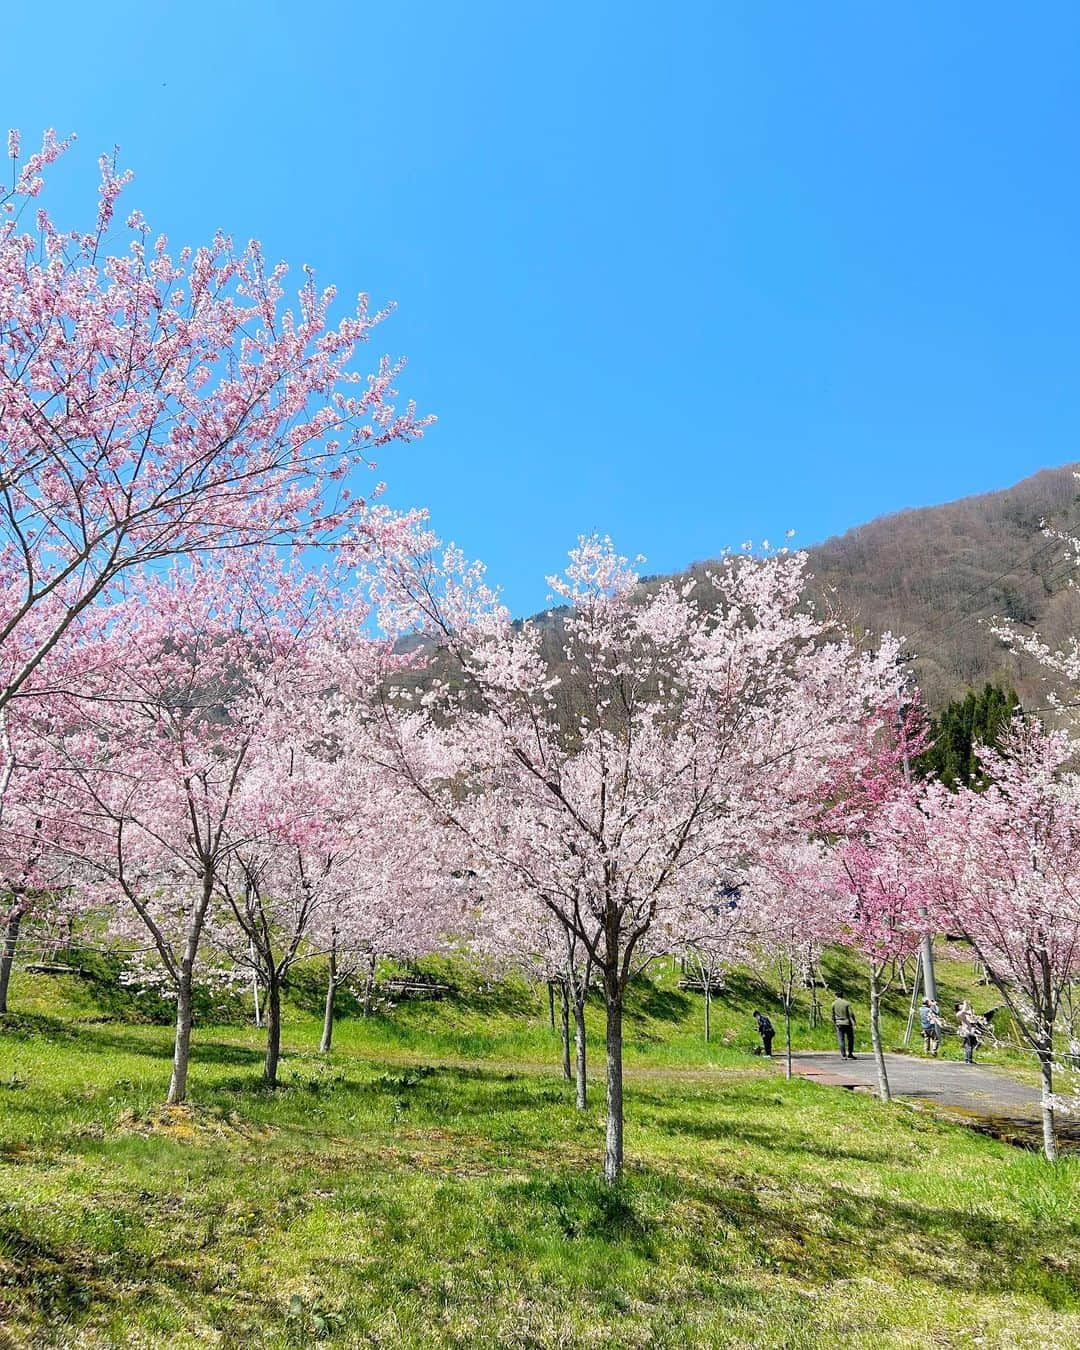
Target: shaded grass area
{"points": [[507, 1018], [664, 1024], [385, 1196]]}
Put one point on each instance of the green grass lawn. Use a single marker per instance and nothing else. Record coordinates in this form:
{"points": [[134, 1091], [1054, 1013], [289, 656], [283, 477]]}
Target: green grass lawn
{"points": [[431, 1184]]}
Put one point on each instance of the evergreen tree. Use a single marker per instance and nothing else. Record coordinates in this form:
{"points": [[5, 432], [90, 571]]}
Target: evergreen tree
{"points": [[977, 719]]}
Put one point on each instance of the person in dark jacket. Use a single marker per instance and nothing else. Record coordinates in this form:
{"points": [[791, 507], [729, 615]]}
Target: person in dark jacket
{"points": [[843, 1016], [765, 1031]]}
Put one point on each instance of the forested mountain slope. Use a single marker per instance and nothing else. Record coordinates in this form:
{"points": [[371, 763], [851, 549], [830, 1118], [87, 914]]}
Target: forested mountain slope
{"points": [[938, 573]]}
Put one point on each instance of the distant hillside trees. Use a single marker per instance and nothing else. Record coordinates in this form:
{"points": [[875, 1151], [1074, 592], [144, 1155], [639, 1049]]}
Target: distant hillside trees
{"points": [[978, 719]]}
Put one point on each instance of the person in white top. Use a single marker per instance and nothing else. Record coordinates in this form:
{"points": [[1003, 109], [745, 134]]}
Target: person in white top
{"points": [[968, 1030]]}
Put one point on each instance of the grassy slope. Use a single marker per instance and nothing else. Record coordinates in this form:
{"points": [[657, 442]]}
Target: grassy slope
{"points": [[398, 1195]]}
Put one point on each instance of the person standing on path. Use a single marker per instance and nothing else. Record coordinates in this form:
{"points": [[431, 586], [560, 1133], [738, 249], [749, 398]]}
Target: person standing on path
{"points": [[967, 1027], [765, 1031], [843, 1016], [930, 1024]]}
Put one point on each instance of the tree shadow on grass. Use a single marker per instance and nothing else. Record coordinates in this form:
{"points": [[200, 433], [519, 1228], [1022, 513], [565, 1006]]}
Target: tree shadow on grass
{"points": [[588, 1207], [646, 1002], [775, 1141], [745, 989], [848, 1232], [62, 1285], [24, 1026], [202, 1051], [488, 1091], [464, 1092]]}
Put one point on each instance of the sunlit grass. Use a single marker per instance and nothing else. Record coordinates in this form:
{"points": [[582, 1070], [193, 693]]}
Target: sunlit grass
{"points": [[398, 1195]]}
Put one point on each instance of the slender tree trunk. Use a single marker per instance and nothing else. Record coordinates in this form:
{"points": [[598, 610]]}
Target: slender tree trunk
{"points": [[786, 972], [613, 1152], [328, 1011], [875, 1035], [369, 983], [7, 960], [787, 1031], [273, 1029], [1046, 1067], [184, 1011], [565, 1028], [708, 1009], [255, 984], [182, 1041], [581, 1099], [551, 1003], [1046, 1014]]}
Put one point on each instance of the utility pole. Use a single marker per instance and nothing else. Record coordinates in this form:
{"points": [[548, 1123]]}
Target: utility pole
{"points": [[926, 948]]}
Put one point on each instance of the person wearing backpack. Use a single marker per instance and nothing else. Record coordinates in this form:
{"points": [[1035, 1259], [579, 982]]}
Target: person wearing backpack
{"points": [[765, 1031]]}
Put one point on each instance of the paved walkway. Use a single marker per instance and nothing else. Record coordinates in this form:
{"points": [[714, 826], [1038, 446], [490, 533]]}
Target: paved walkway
{"points": [[980, 1095]]}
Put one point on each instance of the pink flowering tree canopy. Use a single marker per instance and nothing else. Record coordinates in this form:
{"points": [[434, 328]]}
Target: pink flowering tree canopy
{"points": [[1002, 868], [702, 731], [159, 402], [795, 912], [162, 748]]}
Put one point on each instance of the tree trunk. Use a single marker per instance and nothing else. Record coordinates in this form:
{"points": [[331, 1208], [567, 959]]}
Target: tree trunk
{"points": [[7, 960], [787, 1032], [564, 1022], [184, 1011], [613, 1152], [182, 1041], [1046, 1066], [875, 1036], [328, 1012], [581, 1099], [551, 1003], [255, 984], [708, 1009], [273, 1029], [369, 984]]}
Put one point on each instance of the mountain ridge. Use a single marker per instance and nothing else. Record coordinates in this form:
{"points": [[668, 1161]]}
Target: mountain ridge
{"points": [[936, 574]]}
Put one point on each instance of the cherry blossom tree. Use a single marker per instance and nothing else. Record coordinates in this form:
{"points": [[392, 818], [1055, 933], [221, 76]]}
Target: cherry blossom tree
{"points": [[702, 731], [1003, 869], [883, 914], [33, 878], [287, 845], [173, 708], [795, 892], [718, 937], [514, 930], [882, 908], [329, 857], [158, 403], [397, 887], [20, 846]]}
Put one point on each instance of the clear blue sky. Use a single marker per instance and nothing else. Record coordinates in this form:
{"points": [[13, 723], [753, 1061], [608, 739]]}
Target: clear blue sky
{"points": [[685, 273]]}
